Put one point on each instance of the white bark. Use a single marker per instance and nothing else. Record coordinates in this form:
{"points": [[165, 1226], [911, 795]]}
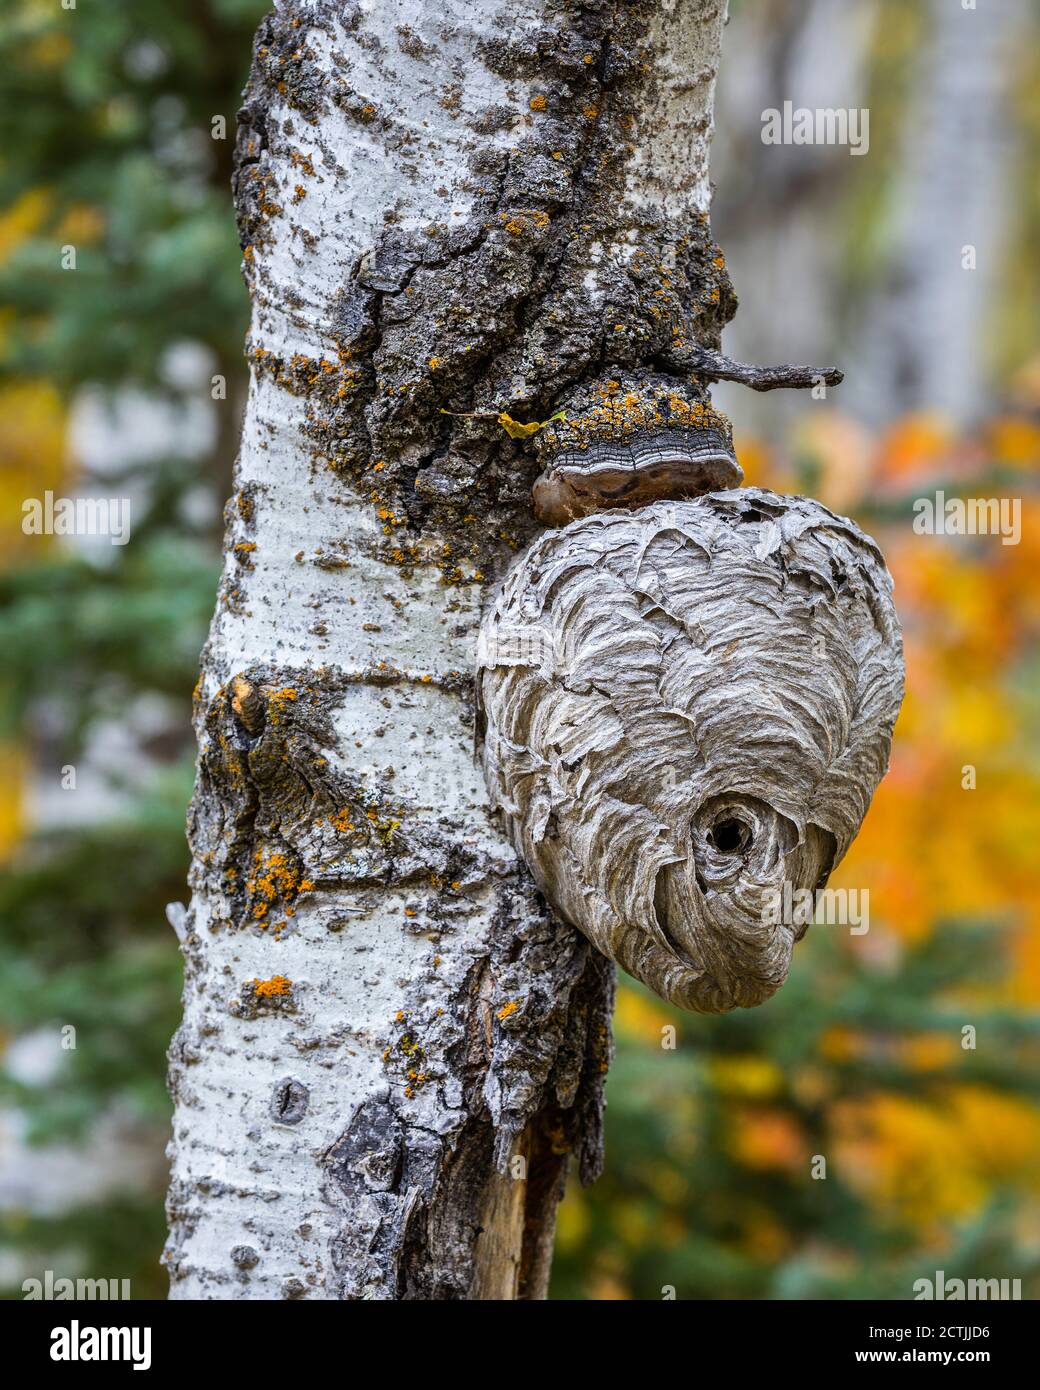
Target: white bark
{"points": [[378, 1010]]}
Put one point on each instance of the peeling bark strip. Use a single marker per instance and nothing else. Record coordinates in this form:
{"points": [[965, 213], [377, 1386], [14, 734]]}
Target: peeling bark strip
{"points": [[453, 216], [689, 706]]}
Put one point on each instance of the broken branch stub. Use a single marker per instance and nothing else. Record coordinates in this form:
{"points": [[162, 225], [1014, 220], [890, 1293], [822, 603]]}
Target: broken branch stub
{"points": [[688, 706]]}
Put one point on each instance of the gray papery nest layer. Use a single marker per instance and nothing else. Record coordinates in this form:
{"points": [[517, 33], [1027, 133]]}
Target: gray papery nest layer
{"points": [[686, 706]]}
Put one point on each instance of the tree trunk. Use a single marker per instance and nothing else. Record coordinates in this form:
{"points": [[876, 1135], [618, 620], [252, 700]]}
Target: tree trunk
{"points": [[449, 213], [929, 337]]}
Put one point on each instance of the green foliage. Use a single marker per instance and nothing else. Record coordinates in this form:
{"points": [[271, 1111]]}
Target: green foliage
{"points": [[114, 1240], [91, 638], [106, 131], [684, 1203], [106, 127]]}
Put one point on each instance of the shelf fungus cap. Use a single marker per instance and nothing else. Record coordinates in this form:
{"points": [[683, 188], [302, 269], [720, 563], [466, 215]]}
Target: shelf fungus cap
{"points": [[687, 709], [627, 441]]}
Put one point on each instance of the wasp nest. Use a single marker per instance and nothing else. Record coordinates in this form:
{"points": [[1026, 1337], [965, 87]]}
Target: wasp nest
{"points": [[687, 707]]}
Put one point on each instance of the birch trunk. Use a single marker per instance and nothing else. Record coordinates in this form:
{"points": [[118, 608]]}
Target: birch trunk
{"points": [[390, 1051], [930, 336]]}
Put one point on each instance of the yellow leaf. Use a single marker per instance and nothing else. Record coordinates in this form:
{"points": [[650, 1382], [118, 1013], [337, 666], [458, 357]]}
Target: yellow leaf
{"points": [[516, 430]]}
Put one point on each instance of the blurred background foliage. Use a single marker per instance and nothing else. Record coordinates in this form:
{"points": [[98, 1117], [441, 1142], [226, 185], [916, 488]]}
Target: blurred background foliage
{"points": [[125, 377]]}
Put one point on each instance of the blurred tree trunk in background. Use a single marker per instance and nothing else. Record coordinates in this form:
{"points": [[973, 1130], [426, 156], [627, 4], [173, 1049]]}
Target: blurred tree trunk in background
{"points": [[782, 211], [929, 339], [389, 1050]]}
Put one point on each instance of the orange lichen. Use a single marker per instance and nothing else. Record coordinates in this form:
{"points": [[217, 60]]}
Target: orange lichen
{"points": [[538, 103], [274, 877], [518, 222], [411, 1051], [277, 701], [620, 416], [507, 1010], [278, 986]]}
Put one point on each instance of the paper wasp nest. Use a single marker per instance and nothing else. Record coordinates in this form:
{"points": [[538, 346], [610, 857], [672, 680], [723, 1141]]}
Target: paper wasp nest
{"points": [[686, 706]]}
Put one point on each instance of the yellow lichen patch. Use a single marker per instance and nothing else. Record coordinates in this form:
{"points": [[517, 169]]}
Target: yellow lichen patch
{"points": [[507, 1010], [620, 415], [414, 1054], [516, 223], [278, 986], [278, 701], [538, 103]]}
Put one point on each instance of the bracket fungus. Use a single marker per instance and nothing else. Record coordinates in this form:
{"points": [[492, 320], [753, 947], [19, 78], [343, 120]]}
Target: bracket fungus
{"points": [[686, 707], [630, 440], [640, 436]]}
